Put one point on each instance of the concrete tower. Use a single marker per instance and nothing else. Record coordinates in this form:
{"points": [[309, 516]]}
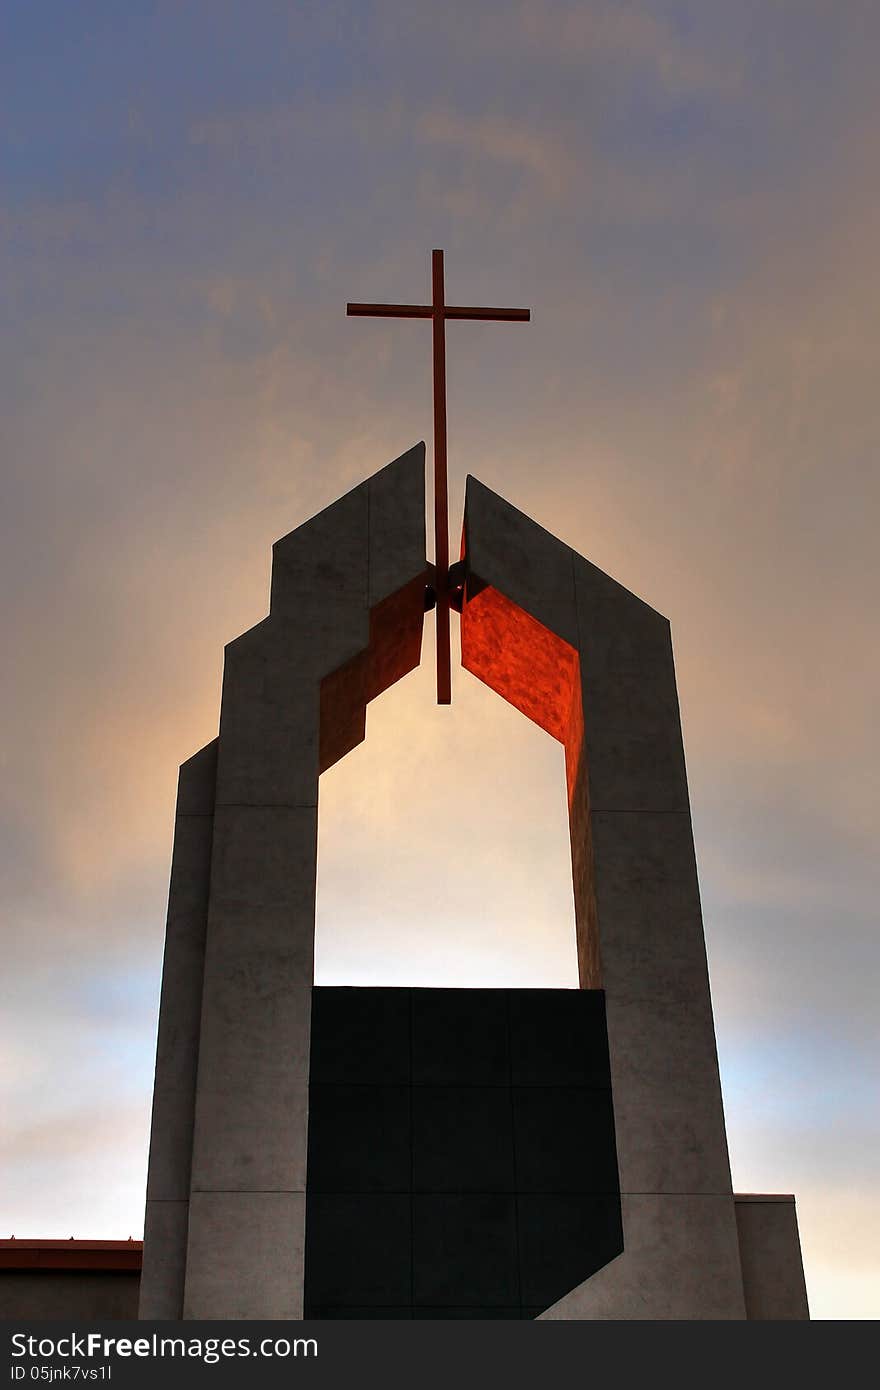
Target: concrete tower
{"points": [[444, 1153]]}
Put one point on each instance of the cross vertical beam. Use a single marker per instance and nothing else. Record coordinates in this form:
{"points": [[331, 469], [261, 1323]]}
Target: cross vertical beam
{"points": [[438, 311], [441, 487]]}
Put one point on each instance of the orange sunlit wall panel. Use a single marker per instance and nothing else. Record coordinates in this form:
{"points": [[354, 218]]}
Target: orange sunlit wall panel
{"points": [[528, 665]]}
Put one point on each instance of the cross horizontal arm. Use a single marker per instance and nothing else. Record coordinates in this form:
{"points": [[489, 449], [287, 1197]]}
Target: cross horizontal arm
{"points": [[426, 311], [454, 311], [390, 311]]}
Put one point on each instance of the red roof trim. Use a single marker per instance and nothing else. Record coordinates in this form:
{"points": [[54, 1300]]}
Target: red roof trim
{"points": [[104, 1256]]}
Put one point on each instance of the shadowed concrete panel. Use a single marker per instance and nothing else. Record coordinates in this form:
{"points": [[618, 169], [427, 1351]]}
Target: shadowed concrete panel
{"points": [[645, 874], [164, 1271], [772, 1265], [322, 567], [667, 1098], [538, 569], [269, 715], [171, 1136], [396, 524], [255, 1021], [347, 610], [633, 743], [590, 662], [246, 1250]]}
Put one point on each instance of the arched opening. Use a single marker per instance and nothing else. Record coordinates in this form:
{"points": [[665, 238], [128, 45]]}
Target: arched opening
{"points": [[443, 845]]}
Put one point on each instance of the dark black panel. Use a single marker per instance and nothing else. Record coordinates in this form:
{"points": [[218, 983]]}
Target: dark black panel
{"points": [[358, 1250], [470, 1314], [436, 1187], [564, 1139], [562, 1241], [359, 1139], [462, 1139], [460, 1037], [464, 1251], [360, 1035], [558, 1037], [331, 1311]]}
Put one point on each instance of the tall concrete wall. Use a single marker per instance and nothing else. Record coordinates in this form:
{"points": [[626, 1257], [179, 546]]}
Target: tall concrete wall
{"points": [[593, 664], [228, 1152]]}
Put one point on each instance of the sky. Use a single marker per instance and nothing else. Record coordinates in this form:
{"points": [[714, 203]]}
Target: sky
{"points": [[686, 195]]}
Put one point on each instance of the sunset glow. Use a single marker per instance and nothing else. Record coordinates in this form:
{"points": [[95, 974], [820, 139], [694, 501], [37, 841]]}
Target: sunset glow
{"points": [[685, 194]]}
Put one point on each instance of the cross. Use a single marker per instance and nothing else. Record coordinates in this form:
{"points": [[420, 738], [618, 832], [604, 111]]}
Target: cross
{"points": [[438, 312]]}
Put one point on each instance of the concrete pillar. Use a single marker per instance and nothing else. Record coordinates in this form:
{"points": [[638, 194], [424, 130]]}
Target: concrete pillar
{"points": [[345, 622], [592, 664], [772, 1265], [168, 1179]]}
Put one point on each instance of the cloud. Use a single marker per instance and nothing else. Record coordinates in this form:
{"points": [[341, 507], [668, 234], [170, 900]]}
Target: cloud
{"points": [[66, 1134], [622, 35], [493, 138], [232, 130]]}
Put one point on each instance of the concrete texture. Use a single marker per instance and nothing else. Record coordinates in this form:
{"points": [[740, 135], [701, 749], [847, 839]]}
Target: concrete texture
{"points": [[250, 1127], [667, 1098], [164, 1267], [168, 1181], [772, 1265], [231, 1107], [633, 741], [680, 1261], [592, 664], [245, 1255]]}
